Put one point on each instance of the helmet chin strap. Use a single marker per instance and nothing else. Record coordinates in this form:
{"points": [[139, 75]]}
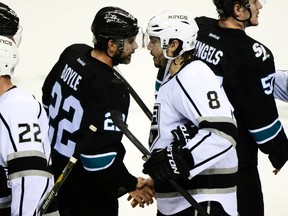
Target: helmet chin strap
{"points": [[174, 57], [169, 62], [166, 77], [115, 59]]}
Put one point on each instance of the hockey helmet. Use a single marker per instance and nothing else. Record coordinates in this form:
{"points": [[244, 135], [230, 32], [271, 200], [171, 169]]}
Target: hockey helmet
{"points": [[174, 25], [225, 7], [9, 24], [9, 21], [8, 56], [115, 23]]}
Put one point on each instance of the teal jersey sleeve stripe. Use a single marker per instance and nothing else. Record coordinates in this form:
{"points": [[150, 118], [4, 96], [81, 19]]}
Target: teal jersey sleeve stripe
{"points": [[97, 162], [267, 133]]}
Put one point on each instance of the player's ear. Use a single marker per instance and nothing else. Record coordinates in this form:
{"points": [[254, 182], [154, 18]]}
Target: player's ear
{"points": [[237, 9], [173, 46], [112, 47]]}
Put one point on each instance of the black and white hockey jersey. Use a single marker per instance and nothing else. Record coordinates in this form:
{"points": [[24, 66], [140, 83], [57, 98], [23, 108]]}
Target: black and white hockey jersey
{"points": [[81, 90], [24, 153], [246, 68], [195, 94]]}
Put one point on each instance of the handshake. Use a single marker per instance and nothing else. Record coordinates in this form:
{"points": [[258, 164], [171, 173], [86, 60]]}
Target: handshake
{"points": [[174, 161]]}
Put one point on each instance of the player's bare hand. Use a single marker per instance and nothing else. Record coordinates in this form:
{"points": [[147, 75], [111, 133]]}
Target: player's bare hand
{"points": [[276, 171], [142, 195], [146, 182]]}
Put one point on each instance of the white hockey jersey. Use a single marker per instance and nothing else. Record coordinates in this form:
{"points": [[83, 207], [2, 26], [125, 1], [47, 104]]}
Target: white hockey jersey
{"points": [[24, 152], [194, 94], [281, 85]]}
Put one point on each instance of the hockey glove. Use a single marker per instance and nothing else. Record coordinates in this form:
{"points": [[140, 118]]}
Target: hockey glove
{"points": [[169, 163], [279, 154], [277, 150], [183, 133]]}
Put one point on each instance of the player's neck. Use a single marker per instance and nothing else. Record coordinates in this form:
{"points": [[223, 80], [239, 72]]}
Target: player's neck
{"points": [[231, 23], [102, 57], [5, 84], [176, 65]]}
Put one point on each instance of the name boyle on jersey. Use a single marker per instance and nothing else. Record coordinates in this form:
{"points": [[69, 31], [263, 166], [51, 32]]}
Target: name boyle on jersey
{"points": [[70, 77]]}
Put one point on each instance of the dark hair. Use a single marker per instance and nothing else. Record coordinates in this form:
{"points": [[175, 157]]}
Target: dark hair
{"points": [[187, 56], [225, 7]]}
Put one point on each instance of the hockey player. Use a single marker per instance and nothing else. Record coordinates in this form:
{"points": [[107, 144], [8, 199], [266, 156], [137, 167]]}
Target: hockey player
{"points": [[23, 132], [24, 144], [246, 68], [81, 89], [281, 85], [206, 164]]}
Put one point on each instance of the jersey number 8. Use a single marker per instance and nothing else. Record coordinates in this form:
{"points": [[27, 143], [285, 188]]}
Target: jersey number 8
{"points": [[213, 100]]}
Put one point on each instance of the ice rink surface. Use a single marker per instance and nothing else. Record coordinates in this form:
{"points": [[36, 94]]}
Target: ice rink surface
{"points": [[51, 25]]}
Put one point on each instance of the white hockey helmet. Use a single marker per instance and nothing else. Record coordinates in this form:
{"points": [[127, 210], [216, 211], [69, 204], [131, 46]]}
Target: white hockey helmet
{"points": [[8, 56], [174, 25]]}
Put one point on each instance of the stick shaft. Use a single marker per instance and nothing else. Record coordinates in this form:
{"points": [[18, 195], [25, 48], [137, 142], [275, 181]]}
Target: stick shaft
{"points": [[53, 192], [118, 121], [188, 197], [134, 95]]}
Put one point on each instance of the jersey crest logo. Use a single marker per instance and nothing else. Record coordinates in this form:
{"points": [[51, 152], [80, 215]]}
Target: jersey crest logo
{"points": [[154, 130], [260, 50]]}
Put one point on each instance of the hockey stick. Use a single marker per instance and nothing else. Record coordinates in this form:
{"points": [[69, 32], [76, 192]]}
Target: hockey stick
{"points": [[133, 93], [118, 121], [67, 169]]}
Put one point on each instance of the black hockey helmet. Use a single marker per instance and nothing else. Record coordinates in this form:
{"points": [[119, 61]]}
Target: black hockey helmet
{"points": [[9, 21], [114, 23], [225, 7]]}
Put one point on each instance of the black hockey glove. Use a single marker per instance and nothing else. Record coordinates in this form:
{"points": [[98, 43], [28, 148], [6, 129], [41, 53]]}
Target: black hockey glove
{"points": [[277, 149], [279, 154], [169, 163], [183, 133]]}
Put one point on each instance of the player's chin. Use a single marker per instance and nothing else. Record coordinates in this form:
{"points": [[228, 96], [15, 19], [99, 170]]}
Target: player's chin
{"points": [[158, 65], [126, 60], [254, 22]]}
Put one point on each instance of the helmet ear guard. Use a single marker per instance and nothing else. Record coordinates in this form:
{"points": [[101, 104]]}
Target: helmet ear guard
{"points": [[8, 56]]}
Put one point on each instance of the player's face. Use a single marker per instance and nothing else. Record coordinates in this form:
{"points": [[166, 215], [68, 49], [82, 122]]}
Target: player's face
{"points": [[157, 52], [255, 6], [130, 46]]}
